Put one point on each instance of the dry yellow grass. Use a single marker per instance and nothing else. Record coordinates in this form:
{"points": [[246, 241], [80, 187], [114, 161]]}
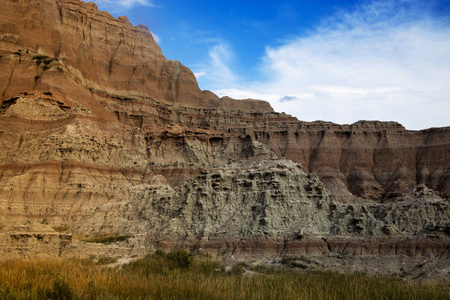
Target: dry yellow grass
{"points": [[162, 276]]}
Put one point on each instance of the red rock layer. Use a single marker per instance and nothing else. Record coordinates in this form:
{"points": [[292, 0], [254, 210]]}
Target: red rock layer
{"points": [[316, 246]]}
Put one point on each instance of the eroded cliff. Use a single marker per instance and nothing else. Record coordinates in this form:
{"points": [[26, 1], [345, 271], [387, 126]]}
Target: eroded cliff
{"points": [[101, 136]]}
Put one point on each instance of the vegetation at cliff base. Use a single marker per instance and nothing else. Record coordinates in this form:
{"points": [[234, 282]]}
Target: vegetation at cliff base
{"points": [[178, 275]]}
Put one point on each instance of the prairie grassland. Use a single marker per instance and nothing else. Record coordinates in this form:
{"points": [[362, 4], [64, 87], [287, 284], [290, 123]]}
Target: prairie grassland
{"points": [[176, 275]]}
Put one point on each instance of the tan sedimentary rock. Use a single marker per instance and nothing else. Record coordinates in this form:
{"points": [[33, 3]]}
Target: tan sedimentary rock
{"points": [[102, 136], [115, 71]]}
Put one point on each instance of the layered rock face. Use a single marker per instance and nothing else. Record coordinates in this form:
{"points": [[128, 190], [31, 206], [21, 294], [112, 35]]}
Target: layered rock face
{"points": [[101, 135]]}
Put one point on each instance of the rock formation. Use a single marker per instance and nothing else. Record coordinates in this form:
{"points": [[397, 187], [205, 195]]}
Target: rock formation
{"points": [[101, 136]]}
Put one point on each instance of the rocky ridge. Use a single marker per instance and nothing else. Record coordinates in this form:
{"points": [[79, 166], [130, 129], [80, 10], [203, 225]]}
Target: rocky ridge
{"points": [[102, 136]]}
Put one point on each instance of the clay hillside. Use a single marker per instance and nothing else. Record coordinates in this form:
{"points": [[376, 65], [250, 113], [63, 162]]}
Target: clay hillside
{"points": [[108, 148]]}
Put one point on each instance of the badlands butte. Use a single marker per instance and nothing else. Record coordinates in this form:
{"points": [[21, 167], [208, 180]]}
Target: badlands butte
{"points": [[109, 149]]}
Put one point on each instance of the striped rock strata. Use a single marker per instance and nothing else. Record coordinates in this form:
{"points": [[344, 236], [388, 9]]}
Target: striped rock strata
{"points": [[101, 137]]}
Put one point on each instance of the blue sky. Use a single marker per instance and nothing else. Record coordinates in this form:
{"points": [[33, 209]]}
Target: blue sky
{"points": [[339, 61]]}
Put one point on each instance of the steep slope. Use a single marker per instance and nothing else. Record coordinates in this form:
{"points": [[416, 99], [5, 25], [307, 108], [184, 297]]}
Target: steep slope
{"points": [[117, 73], [101, 136]]}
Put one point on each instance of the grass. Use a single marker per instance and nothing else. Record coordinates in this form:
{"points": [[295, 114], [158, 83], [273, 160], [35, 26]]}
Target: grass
{"points": [[177, 275], [106, 260]]}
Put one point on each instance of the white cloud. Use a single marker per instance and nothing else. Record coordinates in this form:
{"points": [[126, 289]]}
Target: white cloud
{"points": [[199, 74], [217, 68], [119, 5], [129, 3], [156, 37], [386, 60]]}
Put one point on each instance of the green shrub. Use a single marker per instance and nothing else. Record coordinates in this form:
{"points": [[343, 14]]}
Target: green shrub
{"points": [[60, 290], [237, 269], [179, 258]]}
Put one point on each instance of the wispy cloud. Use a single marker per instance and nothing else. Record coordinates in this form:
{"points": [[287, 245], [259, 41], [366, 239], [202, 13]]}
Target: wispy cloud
{"points": [[199, 74], [217, 72], [121, 5], [387, 60], [156, 37]]}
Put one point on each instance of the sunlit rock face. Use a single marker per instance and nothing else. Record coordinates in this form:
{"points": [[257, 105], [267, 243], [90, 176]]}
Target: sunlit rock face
{"points": [[103, 139]]}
